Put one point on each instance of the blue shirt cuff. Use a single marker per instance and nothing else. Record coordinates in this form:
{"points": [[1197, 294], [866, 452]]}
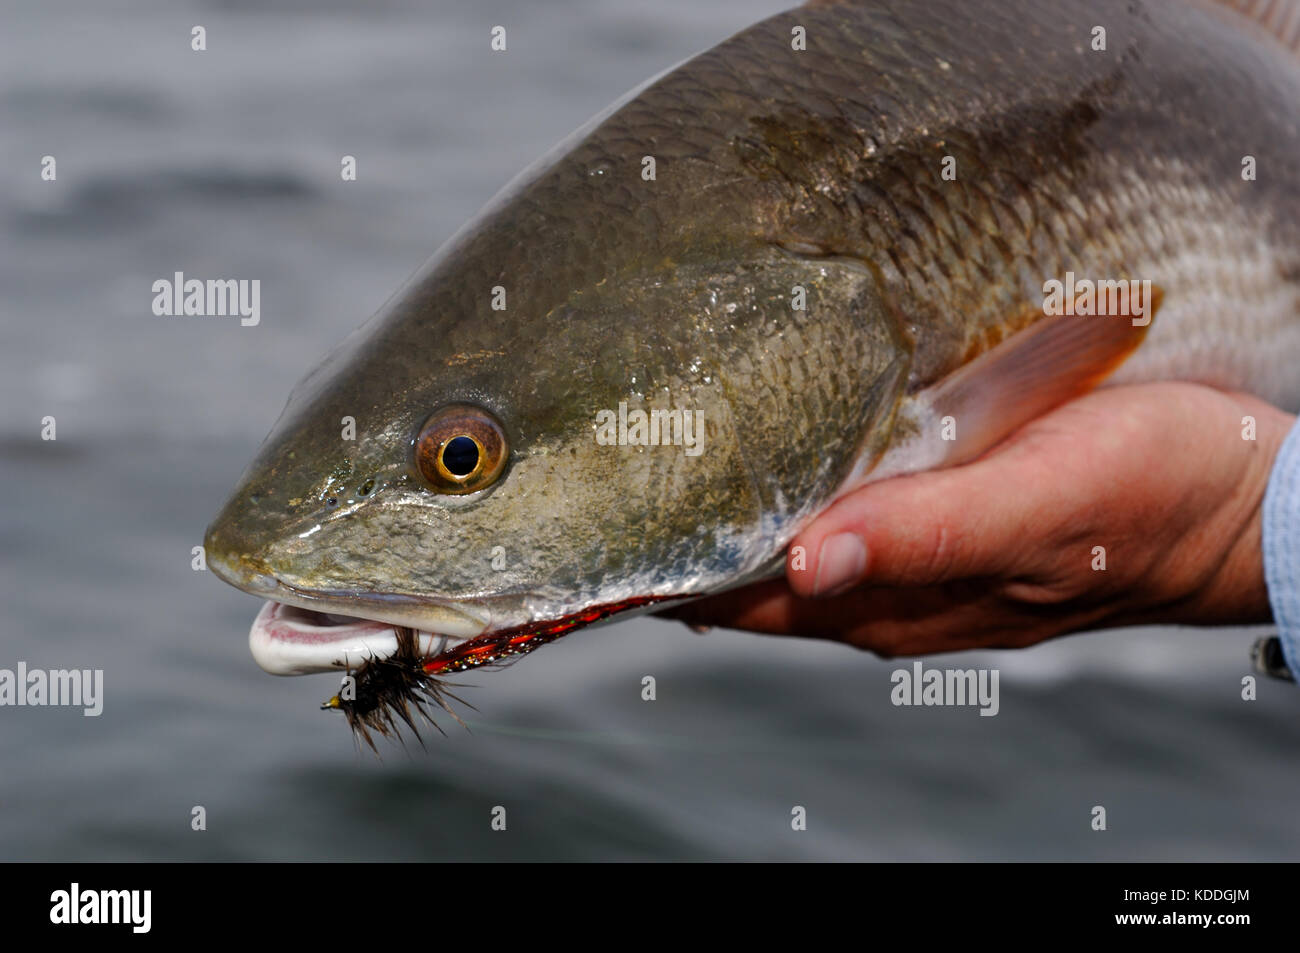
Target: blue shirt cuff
{"points": [[1281, 532]]}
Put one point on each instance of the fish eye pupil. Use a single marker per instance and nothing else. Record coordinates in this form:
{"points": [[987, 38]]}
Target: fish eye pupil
{"points": [[460, 456], [460, 449]]}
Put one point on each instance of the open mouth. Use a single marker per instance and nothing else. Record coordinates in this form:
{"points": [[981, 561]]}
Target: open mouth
{"points": [[293, 640], [399, 668], [288, 640]]}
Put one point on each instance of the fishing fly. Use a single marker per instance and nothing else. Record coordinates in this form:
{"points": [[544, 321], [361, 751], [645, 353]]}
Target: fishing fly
{"points": [[389, 692]]}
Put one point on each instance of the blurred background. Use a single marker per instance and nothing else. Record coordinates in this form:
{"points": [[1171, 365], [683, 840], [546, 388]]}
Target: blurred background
{"points": [[226, 163]]}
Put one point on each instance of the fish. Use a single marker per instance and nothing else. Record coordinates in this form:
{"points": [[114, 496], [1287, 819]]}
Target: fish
{"points": [[759, 281]]}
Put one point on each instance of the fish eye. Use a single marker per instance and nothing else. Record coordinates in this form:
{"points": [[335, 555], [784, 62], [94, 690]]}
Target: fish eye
{"points": [[461, 449]]}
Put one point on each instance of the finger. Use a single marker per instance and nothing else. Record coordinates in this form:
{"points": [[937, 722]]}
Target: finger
{"points": [[888, 622], [762, 607], [920, 530]]}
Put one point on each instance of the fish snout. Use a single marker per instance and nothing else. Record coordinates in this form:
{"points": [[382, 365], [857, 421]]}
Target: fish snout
{"points": [[235, 564]]}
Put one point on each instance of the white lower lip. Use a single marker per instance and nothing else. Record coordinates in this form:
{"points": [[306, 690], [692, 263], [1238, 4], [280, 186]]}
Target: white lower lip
{"points": [[284, 642]]}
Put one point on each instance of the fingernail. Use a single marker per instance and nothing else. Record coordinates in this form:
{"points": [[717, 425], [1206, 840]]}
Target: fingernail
{"points": [[839, 564]]}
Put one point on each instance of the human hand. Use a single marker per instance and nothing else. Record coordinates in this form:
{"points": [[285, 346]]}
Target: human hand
{"points": [[1000, 552]]}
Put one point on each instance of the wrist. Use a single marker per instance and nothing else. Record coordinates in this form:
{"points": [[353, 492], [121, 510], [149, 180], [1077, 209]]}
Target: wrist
{"points": [[1234, 590]]}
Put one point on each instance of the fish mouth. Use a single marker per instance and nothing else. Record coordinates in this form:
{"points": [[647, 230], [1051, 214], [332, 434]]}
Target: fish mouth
{"points": [[295, 640], [302, 631], [307, 636], [292, 640]]}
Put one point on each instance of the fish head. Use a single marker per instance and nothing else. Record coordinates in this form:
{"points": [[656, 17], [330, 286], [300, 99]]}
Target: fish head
{"points": [[602, 394], [466, 471]]}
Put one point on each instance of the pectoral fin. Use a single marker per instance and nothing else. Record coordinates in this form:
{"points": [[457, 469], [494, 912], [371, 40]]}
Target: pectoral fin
{"points": [[1052, 361]]}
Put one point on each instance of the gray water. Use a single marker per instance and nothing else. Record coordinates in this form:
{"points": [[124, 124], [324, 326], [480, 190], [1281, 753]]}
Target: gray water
{"points": [[225, 163]]}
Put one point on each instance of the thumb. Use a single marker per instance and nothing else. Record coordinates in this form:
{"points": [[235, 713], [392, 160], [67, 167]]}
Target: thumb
{"points": [[918, 530]]}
